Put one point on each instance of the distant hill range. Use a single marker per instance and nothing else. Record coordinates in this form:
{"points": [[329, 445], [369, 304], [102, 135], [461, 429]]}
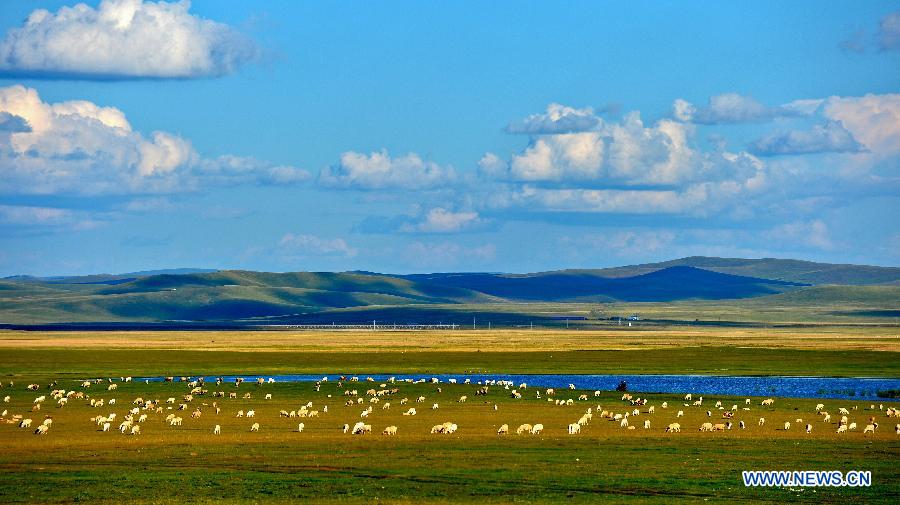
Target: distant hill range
{"points": [[308, 297]]}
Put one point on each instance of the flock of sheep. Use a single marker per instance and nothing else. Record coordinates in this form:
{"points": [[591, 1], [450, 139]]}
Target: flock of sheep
{"points": [[141, 410]]}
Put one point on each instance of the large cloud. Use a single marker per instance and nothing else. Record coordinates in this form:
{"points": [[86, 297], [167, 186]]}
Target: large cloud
{"points": [[440, 220], [123, 39], [379, 170], [81, 148], [874, 120]]}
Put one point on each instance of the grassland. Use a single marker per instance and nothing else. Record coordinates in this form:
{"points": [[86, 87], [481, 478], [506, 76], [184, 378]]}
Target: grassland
{"points": [[168, 465], [77, 462]]}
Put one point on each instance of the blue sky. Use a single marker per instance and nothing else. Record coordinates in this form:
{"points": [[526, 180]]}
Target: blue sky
{"points": [[409, 137]]}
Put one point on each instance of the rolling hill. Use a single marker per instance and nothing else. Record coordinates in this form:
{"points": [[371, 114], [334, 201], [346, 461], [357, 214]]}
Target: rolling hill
{"points": [[324, 297]]}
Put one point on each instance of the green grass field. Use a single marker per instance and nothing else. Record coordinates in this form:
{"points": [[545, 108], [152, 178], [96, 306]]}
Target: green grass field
{"points": [[76, 462]]}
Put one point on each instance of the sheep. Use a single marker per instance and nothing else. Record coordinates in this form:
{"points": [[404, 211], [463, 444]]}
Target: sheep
{"points": [[826, 418], [708, 414], [251, 413], [362, 429], [688, 397], [434, 407], [851, 426], [268, 396], [665, 405], [787, 425], [300, 427], [680, 413], [240, 413], [767, 402], [647, 424], [537, 429], [217, 430], [524, 428], [25, 423], [842, 429], [762, 421], [706, 427], [651, 410], [42, 430], [420, 399], [741, 425], [808, 428], [718, 427], [462, 399], [390, 431], [410, 412], [673, 428], [386, 406], [897, 429], [820, 406], [136, 429], [870, 428], [844, 411], [574, 428], [254, 427], [107, 426]]}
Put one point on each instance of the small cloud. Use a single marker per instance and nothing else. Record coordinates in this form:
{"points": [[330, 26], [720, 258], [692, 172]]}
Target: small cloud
{"points": [[557, 119], [809, 234], [311, 245], [889, 32], [448, 254], [123, 39], [729, 108], [151, 205], [440, 220], [830, 137], [378, 170]]}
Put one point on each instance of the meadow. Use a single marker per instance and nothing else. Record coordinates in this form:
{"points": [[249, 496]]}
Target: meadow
{"points": [[76, 462]]}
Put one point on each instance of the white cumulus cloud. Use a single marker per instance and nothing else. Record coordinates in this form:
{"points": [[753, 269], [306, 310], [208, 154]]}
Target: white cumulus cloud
{"points": [[312, 245], [439, 220], [80, 147], [557, 119], [378, 170], [123, 39], [730, 108]]}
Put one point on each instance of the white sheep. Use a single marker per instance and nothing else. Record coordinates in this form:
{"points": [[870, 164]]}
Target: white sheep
{"points": [[787, 425], [254, 427], [524, 428], [574, 428], [503, 430], [537, 429], [390, 431], [673, 428], [251, 413], [217, 430], [870, 428], [300, 427]]}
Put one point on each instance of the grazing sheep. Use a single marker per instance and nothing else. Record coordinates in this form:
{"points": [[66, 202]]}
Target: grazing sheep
{"points": [[826, 418], [665, 405], [136, 429], [706, 427], [462, 399], [26, 423], [537, 429], [842, 429], [651, 410], [680, 413], [688, 397], [844, 411], [503, 430], [718, 427], [107, 426], [251, 413], [787, 425], [524, 428], [300, 427], [217, 430], [673, 428], [346, 428], [434, 407], [240, 413], [624, 422], [870, 428], [268, 396], [767, 402], [820, 406], [42, 430], [390, 430], [852, 426], [410, 412], [254, 427], [574, 428]]}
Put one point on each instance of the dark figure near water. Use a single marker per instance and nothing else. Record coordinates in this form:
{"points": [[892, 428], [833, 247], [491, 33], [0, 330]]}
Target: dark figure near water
{"points": [[623, 386]]}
